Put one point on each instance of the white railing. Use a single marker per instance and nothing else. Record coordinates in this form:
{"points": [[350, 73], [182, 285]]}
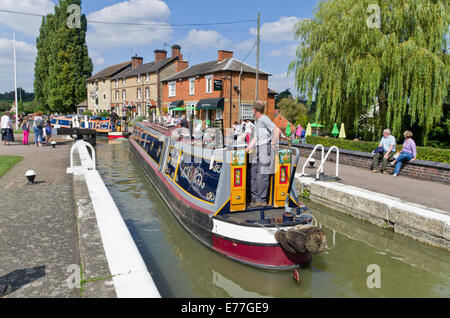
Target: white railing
{"points": [[310, 157], [320, 169], [87, 162]]}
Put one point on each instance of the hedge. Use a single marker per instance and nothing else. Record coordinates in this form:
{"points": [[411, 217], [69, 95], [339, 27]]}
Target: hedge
{"points": [[423, 153]]}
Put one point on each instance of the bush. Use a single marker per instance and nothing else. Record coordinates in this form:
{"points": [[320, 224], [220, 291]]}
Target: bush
{"points": [[423, 153]]}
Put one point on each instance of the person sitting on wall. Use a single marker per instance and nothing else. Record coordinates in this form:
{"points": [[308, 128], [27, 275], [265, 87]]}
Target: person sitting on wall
{"points": [[388, 144], [265, 140], [409, 152]]}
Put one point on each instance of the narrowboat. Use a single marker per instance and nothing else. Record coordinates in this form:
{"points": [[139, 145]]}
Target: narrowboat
{"points": [[101, 125], [207, 188]]}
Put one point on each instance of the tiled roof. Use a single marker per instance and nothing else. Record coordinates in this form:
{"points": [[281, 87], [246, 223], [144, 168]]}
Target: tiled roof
{"points": [[111, 71], [230, 64], [151, 67]]}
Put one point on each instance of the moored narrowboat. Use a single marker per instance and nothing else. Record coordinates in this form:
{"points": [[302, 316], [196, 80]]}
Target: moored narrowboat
{"points": [[101, 125], [206, 186]]}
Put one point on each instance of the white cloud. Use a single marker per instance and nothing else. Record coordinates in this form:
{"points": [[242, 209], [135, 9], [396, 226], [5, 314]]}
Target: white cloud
{"points": [[28, 25], [26, 55], [105, 36], [288, 51], [205, 39], [99, 61], [281, 82], [279, 31]]}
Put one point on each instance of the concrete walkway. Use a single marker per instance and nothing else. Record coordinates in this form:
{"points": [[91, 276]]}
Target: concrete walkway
{"points": [[38, 224], [431, 194]]}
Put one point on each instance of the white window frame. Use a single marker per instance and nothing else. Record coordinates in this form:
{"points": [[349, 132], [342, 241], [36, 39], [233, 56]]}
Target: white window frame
{"points": [[147, 77], [139, 93], [172, 89], [124, 95], [123, 81], [117, 82], [147, 93], [209, 82], [192, 86], [139, 78], [117, 95]]}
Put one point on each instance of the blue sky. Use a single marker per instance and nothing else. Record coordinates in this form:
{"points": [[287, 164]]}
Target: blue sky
{"points": [[109, 44]]}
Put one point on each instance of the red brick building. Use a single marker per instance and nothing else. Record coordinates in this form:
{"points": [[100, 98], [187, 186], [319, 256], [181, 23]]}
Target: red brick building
{"points": [[220, 91]]}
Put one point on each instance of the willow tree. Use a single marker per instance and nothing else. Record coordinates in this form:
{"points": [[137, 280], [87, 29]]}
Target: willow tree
{"points": [[388, 57]]}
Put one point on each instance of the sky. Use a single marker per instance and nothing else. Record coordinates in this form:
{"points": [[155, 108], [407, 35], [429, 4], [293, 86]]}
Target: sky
{"points": [[111, 44]]}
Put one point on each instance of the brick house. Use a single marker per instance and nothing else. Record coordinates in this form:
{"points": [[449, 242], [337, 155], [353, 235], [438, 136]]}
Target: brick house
{"points": [[140, 86], [99, 87], [220, 91]]}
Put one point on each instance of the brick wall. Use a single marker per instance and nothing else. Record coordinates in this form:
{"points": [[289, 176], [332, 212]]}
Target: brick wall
{"points": [[419, 169]]}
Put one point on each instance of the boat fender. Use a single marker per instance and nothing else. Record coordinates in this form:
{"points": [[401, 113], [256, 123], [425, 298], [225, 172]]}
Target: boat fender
{"points": [[301, 239]]}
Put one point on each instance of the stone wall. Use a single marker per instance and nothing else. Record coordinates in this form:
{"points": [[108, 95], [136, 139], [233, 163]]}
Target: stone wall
{"points": [[419, 169]]}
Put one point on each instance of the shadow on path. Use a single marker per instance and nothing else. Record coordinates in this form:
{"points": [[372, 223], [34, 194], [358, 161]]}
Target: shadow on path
{"points": [[22, 277]]}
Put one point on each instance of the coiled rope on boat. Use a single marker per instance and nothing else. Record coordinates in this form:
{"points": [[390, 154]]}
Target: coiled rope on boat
{"points": [[301, 239]]}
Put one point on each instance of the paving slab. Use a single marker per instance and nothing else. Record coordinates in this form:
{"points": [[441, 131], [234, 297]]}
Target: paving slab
{"points": [[431, 194], [38, 228]]}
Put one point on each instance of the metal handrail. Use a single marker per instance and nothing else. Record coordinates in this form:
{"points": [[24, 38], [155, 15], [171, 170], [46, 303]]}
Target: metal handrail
{"points": [[310, 156], [324, 160], [80, 143]]}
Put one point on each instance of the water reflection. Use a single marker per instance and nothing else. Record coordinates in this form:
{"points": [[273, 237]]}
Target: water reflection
{"points": [[183, 267]]}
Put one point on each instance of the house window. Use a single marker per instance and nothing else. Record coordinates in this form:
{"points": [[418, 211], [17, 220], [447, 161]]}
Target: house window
{"points": [[124, 95], [192, 86], [147, 93], [138, 93], [139, 78], [147, 77], [123, 81], [117, 95], [209, 79], [172, 89], [117, 82]]}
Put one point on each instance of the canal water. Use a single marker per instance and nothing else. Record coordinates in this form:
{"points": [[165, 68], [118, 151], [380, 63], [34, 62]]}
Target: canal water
{"points": [[361, 260]]}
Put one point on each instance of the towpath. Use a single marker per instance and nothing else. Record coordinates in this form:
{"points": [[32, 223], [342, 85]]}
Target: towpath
{"points": [[431, 194], [38, 224]]}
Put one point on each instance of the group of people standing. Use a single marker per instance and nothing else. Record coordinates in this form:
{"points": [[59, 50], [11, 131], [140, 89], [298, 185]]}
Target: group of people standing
{"points": [[35, 122]]}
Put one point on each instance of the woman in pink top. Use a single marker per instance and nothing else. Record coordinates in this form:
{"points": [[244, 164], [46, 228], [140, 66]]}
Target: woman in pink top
{"points": [[409, 152]]}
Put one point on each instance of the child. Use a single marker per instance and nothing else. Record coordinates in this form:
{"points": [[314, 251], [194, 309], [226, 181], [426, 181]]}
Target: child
{"points": [[26, 130]]}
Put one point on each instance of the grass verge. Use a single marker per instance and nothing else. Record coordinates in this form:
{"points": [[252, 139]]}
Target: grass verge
{"points": [[7, 162]]}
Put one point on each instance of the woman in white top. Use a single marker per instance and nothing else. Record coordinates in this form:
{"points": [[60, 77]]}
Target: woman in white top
{"points": [[7, 129]]}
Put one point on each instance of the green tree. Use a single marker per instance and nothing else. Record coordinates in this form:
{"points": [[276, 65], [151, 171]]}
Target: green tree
{"points": [[347, 65], [294, 111], [280, 96], [63, 63]]}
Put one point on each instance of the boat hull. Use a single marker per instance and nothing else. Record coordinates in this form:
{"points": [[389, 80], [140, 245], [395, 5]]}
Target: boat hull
{"points": [[246, 243]]}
